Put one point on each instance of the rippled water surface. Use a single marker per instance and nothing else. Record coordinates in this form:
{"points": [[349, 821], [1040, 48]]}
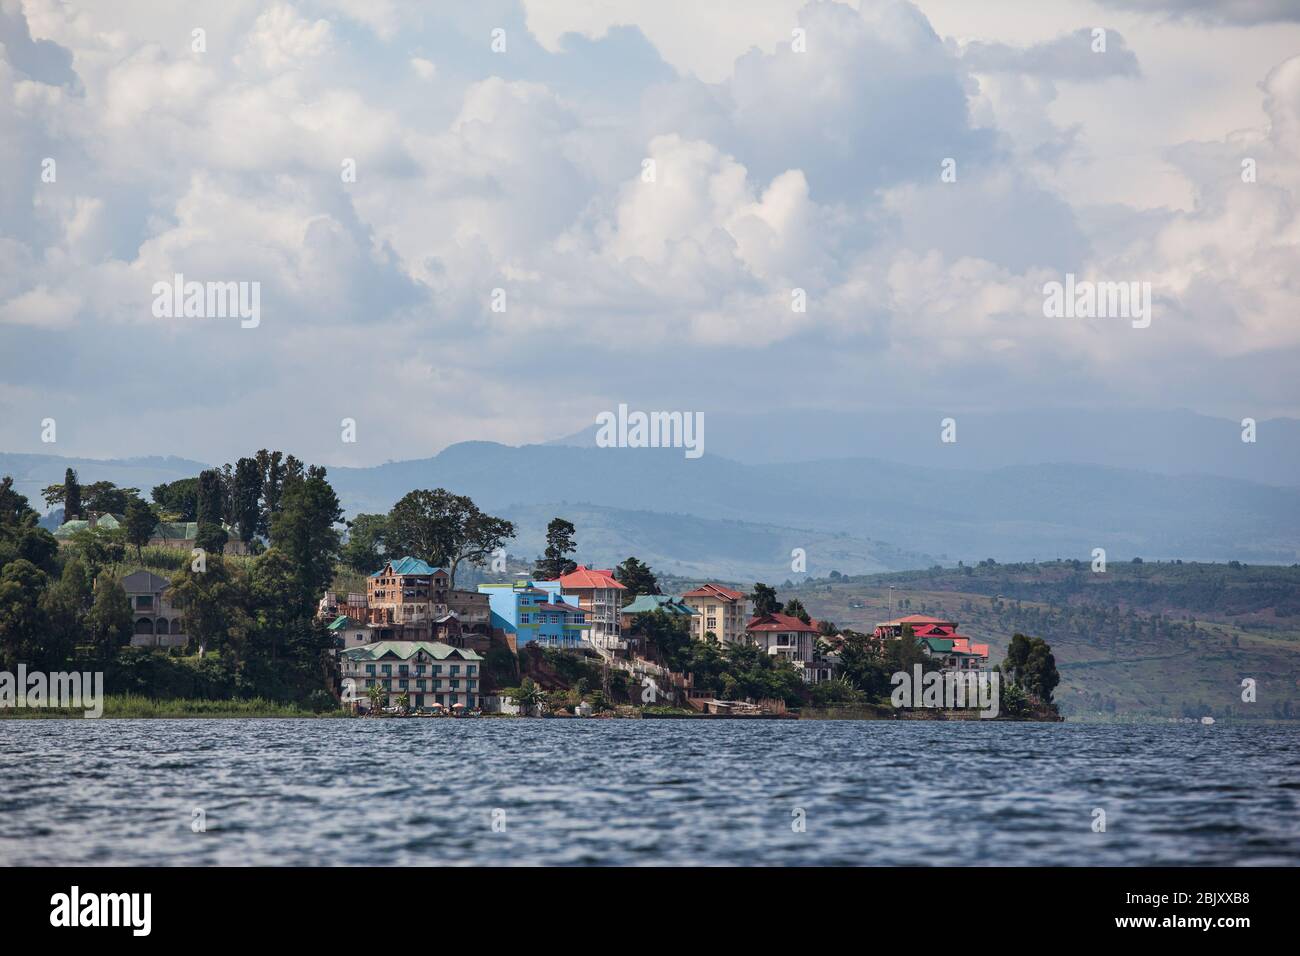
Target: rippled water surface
{"points": [[371, 792]]}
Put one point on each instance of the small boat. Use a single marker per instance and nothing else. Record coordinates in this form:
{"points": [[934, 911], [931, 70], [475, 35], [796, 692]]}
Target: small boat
{"points": [[1207, 721]]}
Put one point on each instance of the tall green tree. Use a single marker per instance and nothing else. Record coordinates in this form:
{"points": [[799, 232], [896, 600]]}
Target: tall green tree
{"points": [[23, 624], [140, 524], [214, 606], [71, 496], [304, 530], [764, 598], [637, 577], [555, 562], [444, 529], [271, 464], [212, 537], [247, 499], [110, 621]]}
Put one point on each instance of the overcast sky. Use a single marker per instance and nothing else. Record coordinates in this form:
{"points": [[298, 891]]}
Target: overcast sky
{"points": [[524, 170]]}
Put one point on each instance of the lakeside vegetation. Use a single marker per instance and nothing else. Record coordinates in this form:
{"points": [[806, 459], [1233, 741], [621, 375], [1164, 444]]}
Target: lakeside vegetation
{"points": [[134, 706]]}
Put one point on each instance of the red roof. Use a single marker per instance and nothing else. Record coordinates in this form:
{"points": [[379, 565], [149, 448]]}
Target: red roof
{"points": [[778, 622], [714, 591], [585, 577], [915, 619]]}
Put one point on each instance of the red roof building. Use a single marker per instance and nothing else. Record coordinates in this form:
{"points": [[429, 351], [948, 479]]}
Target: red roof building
{"points": [[600, 596], [719, 611]]}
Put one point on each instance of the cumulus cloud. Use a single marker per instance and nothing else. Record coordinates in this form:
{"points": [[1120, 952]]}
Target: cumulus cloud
{"points": [[382, 173], [1086, 54]]}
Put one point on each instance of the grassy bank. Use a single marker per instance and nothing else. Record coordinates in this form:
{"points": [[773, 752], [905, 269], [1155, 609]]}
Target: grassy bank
{"points": [[132, 706]]}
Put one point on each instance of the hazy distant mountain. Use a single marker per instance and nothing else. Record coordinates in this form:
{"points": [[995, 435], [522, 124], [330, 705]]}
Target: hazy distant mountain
{"points": [[716, 516], [1039, 511], [694, 547], [31, 473], [1165, 442]]}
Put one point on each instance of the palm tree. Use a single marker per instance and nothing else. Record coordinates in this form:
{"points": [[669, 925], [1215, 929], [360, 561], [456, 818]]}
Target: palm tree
{"points": [[530, 696], [404, 702], [376, 693]]}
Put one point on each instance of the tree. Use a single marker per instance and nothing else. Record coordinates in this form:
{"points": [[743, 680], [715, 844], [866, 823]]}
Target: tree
{"points": [[214, 606], [764, 599], [637, 578], [554, 562], [179, 500], [140, 524], [104, 497], [210, 509], [377, 694], [71, 496], [794, 607], [365, 549], [304, 530], [444, 529], [211, 538], [670, 634], [269, 463], [100, 548], [20, 535], [23, 624], [110, 622], [246, 495], [1041, 675]]}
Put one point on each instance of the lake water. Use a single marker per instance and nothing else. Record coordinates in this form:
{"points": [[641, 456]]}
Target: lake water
{"points": [[407, 792]]}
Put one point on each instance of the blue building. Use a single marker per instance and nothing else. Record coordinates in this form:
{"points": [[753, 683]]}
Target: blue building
{"points": [[537, 613]]}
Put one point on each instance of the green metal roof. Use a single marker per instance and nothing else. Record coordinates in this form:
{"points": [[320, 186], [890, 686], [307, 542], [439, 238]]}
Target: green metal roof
{"points": [[409, 565], [938, 644], [405, 650], [186, 530], [69, 528], [341, 622]]}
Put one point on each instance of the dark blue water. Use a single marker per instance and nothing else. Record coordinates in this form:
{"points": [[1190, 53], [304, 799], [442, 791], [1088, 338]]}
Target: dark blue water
{"points": [[368, 792]]}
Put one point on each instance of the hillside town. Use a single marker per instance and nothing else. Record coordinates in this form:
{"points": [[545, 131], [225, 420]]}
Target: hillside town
{"points": [[239, 584], [412, 642]]}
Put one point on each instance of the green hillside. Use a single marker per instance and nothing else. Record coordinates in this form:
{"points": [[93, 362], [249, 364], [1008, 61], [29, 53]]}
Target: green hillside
{"points": [[1153, 639]]}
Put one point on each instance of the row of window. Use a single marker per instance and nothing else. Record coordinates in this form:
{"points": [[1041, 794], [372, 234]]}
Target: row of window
{"points": [[418, 685], [404, 670]]}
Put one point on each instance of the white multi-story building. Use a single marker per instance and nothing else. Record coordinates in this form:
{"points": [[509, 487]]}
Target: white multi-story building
{"points": [[433, 676], [602, 598]]}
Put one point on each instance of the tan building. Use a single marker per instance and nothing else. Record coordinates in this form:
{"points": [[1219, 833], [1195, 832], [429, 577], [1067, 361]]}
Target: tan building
{"points": [[157, 623], [410, 600], [718, 610]]}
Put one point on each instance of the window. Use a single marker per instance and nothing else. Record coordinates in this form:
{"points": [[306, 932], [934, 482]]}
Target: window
{"points": [[144, 602], [370, 669], [469, 669], [387, 668], [455, 669]]}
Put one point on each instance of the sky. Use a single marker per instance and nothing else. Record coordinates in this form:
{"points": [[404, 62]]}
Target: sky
{"points": [[560, 207]]}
